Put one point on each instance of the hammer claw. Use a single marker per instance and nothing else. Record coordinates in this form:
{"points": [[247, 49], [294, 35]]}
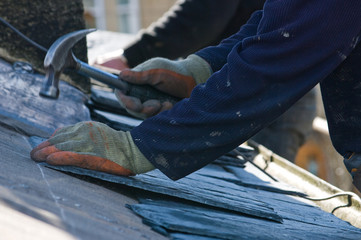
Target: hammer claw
{"points": [[59, 57]]}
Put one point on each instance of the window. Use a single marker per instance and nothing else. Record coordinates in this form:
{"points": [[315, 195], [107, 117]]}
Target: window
{"points": [[128, 16], [113, 15]]}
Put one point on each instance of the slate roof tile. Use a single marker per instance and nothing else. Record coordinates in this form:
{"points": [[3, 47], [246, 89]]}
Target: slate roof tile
{"points": [[229, 199]]}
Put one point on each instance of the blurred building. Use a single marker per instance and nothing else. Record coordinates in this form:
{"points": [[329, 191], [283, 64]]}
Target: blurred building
{"points": [[127, 16]]}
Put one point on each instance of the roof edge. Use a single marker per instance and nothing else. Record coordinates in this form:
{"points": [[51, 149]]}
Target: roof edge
{"points": [[346, 207]]}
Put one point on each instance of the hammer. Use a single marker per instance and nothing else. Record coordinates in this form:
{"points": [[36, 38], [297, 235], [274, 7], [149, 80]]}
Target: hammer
{"points": [[60, 57]]}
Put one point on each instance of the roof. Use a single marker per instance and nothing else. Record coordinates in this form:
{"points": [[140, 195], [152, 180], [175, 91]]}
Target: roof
{"points": [[232, 198]]}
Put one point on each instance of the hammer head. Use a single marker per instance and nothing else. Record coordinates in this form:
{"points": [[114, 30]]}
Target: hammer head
{"points": [[59, 57]]}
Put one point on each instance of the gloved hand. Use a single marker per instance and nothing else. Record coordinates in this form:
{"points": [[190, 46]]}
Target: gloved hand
{"points": [[177, 78], [95, 146], [353, 165]]}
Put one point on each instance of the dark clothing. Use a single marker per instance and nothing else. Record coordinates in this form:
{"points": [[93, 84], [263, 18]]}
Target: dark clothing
{"points": [[341, 95], [193, 24], [289, 132], [273, 61], [189, 26]]}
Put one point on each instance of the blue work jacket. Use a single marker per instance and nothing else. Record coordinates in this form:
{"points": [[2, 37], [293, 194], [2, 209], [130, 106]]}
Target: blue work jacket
{"points": [[261, 71]]}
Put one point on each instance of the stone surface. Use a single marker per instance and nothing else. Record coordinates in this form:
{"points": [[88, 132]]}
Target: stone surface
{"points": [[43, 22], [37, 202], [22, 108]]}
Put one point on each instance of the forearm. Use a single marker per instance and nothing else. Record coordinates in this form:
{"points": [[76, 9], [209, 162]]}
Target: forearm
{"points": [[264, 75]]}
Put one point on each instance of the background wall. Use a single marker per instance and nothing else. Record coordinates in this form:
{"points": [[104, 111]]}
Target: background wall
{"points": [[127, 16]]}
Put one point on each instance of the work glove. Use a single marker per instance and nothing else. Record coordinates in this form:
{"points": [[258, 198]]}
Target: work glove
{"points": [[94, 146], [353, 165], [175, 77]]}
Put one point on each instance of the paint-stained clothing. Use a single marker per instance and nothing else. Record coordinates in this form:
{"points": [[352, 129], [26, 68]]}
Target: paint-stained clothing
{"points": [[275, 59]]}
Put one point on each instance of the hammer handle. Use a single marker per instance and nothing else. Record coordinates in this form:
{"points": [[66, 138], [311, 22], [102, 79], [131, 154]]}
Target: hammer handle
{"points": [[146, 92], [143, 92]]}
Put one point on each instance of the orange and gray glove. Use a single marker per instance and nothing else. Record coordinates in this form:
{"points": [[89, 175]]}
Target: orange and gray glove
{"points": [[177, 78], [94, 146]]}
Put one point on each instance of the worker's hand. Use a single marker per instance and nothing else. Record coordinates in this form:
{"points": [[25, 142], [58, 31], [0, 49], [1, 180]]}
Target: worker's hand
{"points": [[95, 146], [113, 62], [177, 78]]}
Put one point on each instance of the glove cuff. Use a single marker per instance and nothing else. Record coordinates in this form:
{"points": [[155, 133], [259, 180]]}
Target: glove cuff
{"points": [[139, 163], [199, 68]]}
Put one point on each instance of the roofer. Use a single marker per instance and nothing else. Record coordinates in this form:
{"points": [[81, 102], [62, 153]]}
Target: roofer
{"points": [[182, 31], [253, 76]]}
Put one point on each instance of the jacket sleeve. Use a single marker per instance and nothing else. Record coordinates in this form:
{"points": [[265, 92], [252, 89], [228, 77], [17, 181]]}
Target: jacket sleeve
{"points": [[188, 26], [297, 44]]}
